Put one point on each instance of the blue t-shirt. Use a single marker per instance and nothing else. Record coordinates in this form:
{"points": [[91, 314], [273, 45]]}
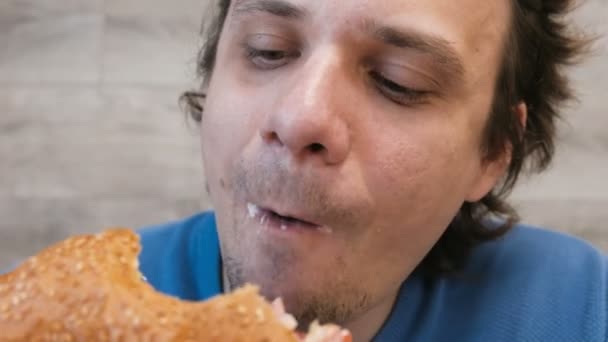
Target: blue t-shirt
{"points": [[531, 285]]}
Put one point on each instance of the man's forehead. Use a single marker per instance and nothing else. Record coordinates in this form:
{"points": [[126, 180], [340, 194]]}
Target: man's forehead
{"points": [[280, 8], [346, 7], [450, 18], [447, 31]]}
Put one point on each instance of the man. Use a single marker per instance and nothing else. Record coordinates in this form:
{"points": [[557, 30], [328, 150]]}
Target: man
{"points": [[357, 154]]}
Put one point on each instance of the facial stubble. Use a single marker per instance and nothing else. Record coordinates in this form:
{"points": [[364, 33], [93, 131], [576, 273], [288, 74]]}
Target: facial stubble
{"points": [[334, 297]]}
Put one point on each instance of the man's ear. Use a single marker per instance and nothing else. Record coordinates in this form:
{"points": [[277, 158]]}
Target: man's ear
{"points": [[493, 170], [521, 110]]}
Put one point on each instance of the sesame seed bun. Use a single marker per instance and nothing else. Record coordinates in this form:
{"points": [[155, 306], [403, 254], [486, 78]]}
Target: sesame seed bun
{"points": [[89, 288]]}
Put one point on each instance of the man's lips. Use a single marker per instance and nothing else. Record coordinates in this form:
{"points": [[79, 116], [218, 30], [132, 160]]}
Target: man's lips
{"points": [[282, 218]]}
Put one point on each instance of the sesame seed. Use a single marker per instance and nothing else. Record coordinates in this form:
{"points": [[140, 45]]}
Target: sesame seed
{"points": [[33, 260], [259, 314], [241, 309]]}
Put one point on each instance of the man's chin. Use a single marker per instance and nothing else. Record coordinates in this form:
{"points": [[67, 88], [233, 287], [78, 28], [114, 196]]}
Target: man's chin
{"points": [[302, 303], [305, 293], [326, 305]]}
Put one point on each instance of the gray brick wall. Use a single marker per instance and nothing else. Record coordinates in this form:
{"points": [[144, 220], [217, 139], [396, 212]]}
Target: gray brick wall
{"points": [[91, 134]]}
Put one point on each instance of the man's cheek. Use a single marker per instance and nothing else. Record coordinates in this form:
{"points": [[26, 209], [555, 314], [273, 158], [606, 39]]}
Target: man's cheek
{"points": [[219, 146], [425, 187]]}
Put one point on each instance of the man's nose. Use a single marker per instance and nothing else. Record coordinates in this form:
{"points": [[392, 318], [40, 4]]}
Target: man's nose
{"points": [[310, 118]]}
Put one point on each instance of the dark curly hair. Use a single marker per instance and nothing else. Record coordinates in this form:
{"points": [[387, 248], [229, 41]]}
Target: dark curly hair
{"points": [[538, 48]]}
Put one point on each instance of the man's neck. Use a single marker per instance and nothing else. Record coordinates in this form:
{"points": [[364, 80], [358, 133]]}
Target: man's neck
{"points": [[225, 284], [366, 326]]}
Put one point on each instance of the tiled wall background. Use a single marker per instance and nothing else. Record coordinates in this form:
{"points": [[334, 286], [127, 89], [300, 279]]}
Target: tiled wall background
{"points": [[91, 134]]}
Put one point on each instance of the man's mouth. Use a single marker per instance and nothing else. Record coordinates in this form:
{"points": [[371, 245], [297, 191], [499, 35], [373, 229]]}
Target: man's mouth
{"points": [[273, 219]]}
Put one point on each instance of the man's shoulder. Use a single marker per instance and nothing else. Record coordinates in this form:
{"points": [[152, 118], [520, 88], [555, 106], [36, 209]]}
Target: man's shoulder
{"points": [[542, 260], [176, 254], [548, 283], [532, 284], [530, 248], [172, 229]]}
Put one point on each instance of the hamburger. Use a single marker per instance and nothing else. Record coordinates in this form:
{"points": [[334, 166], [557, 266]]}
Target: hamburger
{"points": [[89, 288]]}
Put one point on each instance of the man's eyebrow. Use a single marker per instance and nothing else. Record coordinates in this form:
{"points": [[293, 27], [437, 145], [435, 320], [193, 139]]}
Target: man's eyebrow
{"points": [[438, 48], [278, 8]]}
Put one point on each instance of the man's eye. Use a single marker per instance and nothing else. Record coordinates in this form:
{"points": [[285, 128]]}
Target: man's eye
{"points": [[396, 92], [268, 59]]}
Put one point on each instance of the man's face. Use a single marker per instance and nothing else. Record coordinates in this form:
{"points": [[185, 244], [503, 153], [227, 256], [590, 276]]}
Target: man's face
{"points": [[340, 138]]}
